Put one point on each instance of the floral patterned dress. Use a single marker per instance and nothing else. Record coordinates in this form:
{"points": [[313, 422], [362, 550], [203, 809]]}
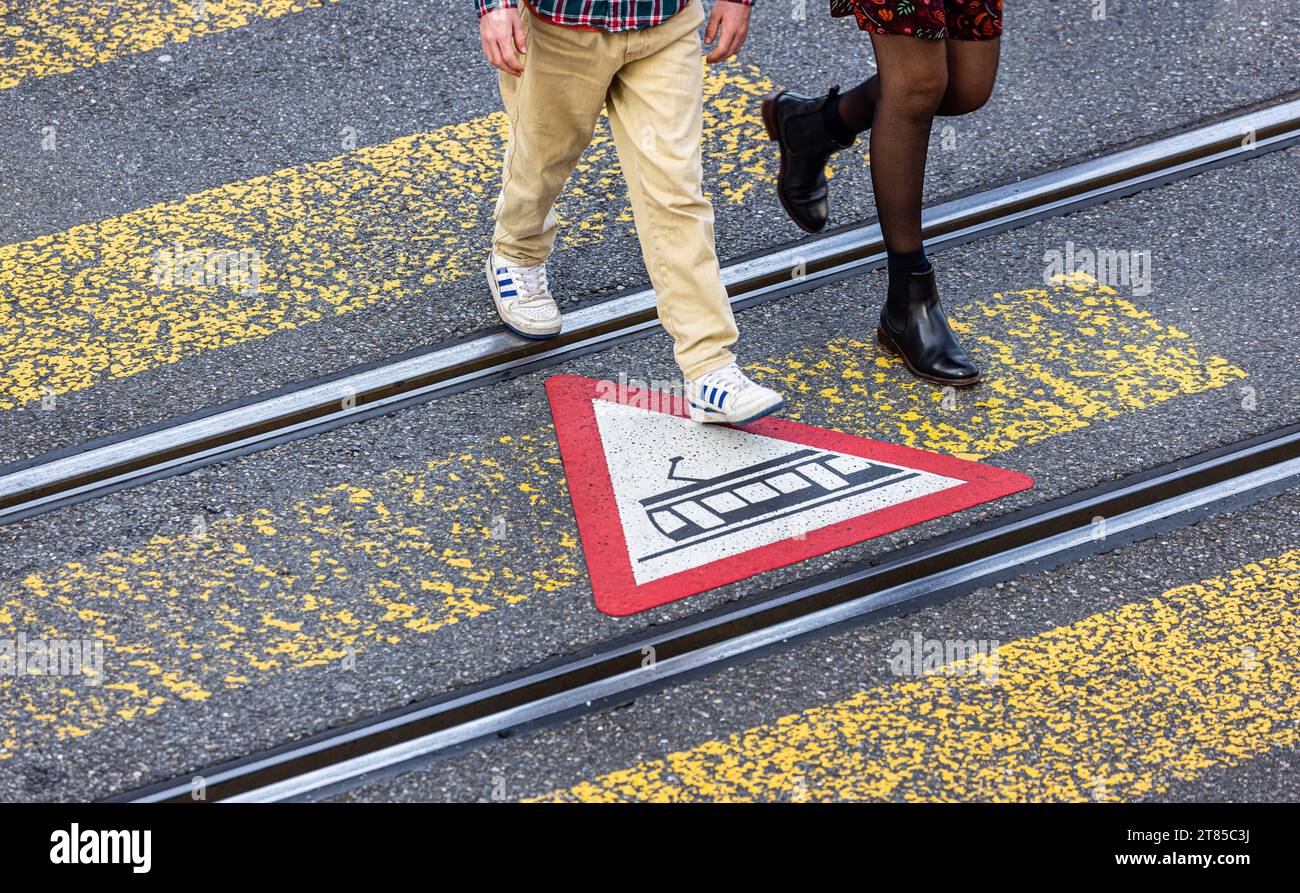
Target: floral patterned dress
{"points": [[927, 19]]}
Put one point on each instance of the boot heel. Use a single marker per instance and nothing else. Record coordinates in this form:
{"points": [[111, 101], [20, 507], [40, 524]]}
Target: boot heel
{"points": [[769, 116], [887, 343]]}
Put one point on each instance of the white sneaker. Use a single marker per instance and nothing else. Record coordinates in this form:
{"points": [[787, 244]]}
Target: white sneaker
{"points": [[523, 298], [727, 395]]}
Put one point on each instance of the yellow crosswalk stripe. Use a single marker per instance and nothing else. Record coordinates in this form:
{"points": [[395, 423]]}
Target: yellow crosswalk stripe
{"points": [[1114, 707], [49, 37], [246, 260], [411, 551]]}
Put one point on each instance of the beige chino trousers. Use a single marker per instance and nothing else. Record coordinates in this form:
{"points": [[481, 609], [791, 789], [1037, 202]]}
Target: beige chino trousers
{"points": [[651, 83]]}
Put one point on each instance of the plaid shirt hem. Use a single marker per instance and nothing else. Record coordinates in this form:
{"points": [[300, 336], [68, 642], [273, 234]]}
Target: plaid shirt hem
{"points": [[600, 15]]}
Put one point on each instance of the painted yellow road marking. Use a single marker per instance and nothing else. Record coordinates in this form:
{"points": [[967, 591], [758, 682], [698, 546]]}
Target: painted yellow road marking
{"points": [[384, 223], [409, 552], [1114, 707], [48, 37], [1060, 360]]}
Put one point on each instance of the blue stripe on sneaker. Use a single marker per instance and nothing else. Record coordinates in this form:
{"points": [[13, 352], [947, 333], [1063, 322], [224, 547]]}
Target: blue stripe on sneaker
{"points": [[508, 294]]}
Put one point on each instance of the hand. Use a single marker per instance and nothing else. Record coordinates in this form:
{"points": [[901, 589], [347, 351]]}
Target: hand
{"points": [[729, 24], [502, 32]]}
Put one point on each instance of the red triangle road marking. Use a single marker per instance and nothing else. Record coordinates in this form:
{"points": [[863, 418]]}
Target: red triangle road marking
{"points": [[668, 508]]}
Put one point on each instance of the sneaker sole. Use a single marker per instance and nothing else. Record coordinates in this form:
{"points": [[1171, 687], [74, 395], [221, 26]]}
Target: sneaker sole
{"points": [[496, 304], [546, 337]]}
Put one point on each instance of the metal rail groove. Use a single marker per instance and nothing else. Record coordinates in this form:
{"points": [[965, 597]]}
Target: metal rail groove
{"points": [[224, 432], [609, 674]]}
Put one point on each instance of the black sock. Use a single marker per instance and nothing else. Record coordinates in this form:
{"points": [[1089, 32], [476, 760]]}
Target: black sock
{"points": [[835, 126], [908, 261]]}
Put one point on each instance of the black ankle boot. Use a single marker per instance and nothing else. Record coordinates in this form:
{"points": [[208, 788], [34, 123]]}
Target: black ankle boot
{"points": [[799, 128], [912, 325]]}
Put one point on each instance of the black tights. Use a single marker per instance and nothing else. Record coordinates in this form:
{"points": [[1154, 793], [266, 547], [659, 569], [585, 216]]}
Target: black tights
{"points": [[917, 80]]}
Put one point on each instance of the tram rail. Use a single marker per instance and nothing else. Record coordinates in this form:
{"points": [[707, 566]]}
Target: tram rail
{"points": [[1134, 508]]}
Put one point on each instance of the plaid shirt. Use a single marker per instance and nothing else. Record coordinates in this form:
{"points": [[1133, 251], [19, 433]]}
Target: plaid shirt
{"points": [[600, 15]]}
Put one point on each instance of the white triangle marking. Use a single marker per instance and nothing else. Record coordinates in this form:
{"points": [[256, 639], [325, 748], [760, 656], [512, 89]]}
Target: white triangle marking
{"points": [[800, 488]]}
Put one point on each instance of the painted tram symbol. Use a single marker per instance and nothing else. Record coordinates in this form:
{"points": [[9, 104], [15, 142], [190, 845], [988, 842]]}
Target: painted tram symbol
{"points": [[756, 494]]}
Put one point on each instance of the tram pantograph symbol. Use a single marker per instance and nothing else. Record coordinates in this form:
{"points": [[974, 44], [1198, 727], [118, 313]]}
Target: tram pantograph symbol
{"points": [[667, 508]]}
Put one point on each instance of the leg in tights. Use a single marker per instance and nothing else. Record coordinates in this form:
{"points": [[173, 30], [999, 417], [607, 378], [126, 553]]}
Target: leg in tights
{"points": [[925, 78], [913, 79], [917, 79], [972, 69], [857, 106]]}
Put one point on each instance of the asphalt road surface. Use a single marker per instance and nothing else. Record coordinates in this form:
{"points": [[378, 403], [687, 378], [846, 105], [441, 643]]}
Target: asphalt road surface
{"points": [[353, 147]]}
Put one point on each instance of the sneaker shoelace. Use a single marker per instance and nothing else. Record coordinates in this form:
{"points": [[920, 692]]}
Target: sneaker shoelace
{"points": [[728, 382], [729, 378], [530, 283]]}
